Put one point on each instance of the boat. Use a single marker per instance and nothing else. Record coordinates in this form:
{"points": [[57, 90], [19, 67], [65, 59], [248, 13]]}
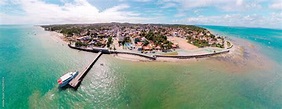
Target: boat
{"points": [[66, 78]]}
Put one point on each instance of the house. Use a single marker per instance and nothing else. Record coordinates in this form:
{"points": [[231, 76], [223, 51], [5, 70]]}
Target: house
{"points": [[175, 34], [84, 38], [93, 42], [158, 48], [175, 46], [143, 39], [139, 44], [147, 48]]}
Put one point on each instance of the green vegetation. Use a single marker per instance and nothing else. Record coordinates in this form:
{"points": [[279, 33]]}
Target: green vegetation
{"points": [[145, 43], [79, 44], [166, 45], [136, 40], [228, 43], [67, 30], [217, 45], [199, 43], [126, 40], [70, 31], [109, 42], [189, 27], [212, 36], [99, 44], [158, 39]]}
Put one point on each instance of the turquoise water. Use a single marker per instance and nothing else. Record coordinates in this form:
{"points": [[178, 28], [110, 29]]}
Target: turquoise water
{"points": [[269, 40], [32, 60], [31, 63]]}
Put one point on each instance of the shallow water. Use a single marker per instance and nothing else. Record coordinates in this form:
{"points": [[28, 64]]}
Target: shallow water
{"points": [[32, 60]]}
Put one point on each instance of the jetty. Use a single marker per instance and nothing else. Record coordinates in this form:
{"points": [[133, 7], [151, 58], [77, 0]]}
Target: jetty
{"points": [[76, 81]]}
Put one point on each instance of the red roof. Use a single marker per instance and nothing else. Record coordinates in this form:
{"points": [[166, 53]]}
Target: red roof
{"points": [[139, 43], [147, 48], [174, 46], [158, 47]]}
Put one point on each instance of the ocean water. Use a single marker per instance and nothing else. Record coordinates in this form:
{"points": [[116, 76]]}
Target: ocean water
{"points": [[267, 40], [32, 60]]}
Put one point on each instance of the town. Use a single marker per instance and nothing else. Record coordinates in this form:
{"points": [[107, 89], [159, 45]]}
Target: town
{"points": [[139, 37]]}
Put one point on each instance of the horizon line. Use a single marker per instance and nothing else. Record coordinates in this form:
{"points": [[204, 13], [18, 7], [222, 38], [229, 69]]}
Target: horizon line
{"points": [[141, 23]]}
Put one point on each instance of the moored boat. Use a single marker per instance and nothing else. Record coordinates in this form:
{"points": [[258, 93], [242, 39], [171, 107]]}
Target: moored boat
{"points": [[66, 78]]}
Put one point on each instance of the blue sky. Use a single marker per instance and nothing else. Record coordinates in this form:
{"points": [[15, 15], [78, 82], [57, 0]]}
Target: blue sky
{"points": [[246, 13]]}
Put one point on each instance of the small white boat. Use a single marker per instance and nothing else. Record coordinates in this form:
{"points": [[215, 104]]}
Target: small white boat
{"points": [[65, 79]]}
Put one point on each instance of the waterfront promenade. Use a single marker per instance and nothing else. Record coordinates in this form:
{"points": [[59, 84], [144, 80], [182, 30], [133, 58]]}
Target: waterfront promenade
{"points": [[150, 57]]}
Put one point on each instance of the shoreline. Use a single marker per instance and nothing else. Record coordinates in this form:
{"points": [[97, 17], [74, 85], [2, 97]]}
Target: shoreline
{"points": [[59, 37], [151, 57]]}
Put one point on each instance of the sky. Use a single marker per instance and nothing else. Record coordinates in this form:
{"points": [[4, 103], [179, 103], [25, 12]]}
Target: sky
{"points": [[243, 13]]}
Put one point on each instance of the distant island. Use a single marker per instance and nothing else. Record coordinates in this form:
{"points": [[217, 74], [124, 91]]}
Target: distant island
{"points": [[155, 40]]}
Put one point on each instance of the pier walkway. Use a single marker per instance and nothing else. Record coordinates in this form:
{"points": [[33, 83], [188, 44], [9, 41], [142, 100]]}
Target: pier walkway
{"points": [[76, 81]]}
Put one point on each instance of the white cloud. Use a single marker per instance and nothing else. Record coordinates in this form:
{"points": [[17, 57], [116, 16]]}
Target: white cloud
{"points": [[277, 5], [226, 5], [135, 0], [80, 11], [143, 0], [169, 5], [274, 20], [3, 2], [180, 14]]}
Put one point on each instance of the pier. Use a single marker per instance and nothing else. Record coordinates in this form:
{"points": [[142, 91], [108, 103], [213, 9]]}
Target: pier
{"points": [[76, 81]]}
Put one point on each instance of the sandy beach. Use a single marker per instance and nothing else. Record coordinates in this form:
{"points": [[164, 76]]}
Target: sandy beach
{"points": [[130, 57], [182, 43], [58, 37]]}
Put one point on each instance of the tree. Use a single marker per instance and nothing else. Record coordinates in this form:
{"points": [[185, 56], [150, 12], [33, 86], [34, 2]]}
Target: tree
{"points": [[150, 35], [145, 43], [79, 44], [143, 34], [110, 41], [126, 39], [136, 40]]}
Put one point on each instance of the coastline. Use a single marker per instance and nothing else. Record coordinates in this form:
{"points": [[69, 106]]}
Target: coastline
{"points": [[59, 38]]}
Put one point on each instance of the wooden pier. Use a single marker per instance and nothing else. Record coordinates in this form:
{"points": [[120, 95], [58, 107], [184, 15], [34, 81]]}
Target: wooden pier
{"points": [[76, 81]]}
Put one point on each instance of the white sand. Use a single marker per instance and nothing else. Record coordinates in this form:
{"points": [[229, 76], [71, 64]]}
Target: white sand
{"points": [[58, 37], [159, 59], [166, 59], [182, 43], [130, 57]]}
